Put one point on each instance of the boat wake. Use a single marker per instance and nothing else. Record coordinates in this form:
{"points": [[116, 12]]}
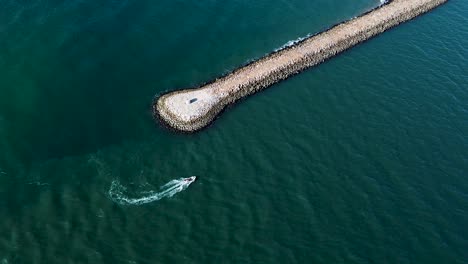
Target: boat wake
{"points": [[117, 192]]}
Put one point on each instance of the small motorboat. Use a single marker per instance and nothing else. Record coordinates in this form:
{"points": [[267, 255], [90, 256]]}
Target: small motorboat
{"points": [[190, 179]]}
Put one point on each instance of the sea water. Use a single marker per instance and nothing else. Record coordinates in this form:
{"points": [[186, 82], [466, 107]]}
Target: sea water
{"points": [[362, 159]]}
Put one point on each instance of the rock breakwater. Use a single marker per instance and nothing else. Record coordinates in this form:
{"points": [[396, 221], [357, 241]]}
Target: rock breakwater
{"points": [[190, 110]]}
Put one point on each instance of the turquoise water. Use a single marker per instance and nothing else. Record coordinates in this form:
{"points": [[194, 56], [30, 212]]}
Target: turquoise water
{"points": [[360, 160]]}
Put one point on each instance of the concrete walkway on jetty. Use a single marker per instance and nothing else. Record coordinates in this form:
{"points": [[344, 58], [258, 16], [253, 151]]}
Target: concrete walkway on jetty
{"points": [[192, 109]]}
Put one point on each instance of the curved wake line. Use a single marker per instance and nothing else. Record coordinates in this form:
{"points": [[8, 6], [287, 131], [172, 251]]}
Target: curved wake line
{"points": [[117, 192]]}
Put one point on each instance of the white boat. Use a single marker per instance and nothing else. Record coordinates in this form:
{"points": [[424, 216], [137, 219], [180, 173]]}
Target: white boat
{"points": [[190, 179]]}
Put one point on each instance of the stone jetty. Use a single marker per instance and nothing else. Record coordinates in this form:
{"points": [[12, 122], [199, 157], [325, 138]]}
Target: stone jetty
{"points": [[192, 109]]}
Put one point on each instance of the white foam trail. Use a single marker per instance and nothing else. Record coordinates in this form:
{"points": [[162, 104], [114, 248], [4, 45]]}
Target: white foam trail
{"points": [[117, 192]]}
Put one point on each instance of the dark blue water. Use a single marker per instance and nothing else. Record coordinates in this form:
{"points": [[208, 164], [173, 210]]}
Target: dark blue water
{"points": [[360, 160]]}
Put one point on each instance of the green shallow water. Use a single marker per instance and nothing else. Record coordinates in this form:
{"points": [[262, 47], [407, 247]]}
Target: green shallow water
{"points": [[360, 160]]}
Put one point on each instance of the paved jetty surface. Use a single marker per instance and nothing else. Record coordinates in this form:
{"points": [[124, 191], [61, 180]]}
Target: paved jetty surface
{"points": [[192, 109]]}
